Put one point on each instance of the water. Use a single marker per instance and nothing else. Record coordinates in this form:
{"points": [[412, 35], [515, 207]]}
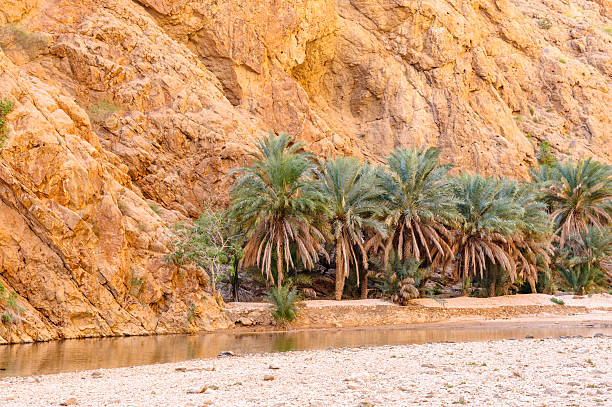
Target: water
{"points": [[86, 354]]}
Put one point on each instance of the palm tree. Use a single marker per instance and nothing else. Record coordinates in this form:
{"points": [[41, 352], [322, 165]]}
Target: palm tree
{"points": [[579, 194], [355, 203], [582, 264], [491, 216], [421, 205], [531, 248], [277, 204]]}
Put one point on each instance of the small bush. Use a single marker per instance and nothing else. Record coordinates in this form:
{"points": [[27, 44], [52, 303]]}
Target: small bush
{"points": [[285, 301], [557, 301], [6, 106], [14, 37], [545, 23], [191, 314], [545, 155], [155, 208], [402, 280], [136, 285], [8, 306], [102, 110], [562, 60]]}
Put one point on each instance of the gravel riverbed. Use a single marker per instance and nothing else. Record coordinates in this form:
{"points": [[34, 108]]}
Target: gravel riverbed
{"points": [[526, 372]]}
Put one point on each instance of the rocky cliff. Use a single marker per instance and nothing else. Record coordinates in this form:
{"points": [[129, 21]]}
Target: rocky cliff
{"points": [[129, 114]]}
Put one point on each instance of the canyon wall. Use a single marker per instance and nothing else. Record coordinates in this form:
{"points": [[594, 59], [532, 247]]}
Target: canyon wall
{"points": [[128, 115]]}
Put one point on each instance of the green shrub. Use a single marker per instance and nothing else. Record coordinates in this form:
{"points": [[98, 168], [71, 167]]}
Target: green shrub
{"points": [[562, 60], [14, 37], [6, 106], [136, 285], [9, 308], [102, 109], [545, 23], [545, 155], [402, 280], [557, 301], [285, 301]]}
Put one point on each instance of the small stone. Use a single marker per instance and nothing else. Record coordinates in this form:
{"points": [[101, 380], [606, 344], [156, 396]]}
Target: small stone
{"points": [[96, 375], [70, 402], [225, 354], [598, 335], [528, 336], [181, 369], [273, 367], [550, 392], [197, 389], [403, 388], [268, 377], [428, 365], [353, 386]]}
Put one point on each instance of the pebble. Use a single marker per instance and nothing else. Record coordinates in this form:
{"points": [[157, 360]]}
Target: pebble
{"points": [[197, 389], [268, 377], [70, 402]]}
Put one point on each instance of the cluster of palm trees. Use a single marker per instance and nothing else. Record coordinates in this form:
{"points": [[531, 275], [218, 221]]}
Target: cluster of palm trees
{"points": [[293, 208]]}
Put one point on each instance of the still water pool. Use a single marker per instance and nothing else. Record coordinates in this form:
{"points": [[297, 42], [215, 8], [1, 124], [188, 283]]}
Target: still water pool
{"points": [[104, 353]]}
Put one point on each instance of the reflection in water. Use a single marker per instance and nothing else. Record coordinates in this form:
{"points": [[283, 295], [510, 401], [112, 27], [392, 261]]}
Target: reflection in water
{"points": [[84, 354]]}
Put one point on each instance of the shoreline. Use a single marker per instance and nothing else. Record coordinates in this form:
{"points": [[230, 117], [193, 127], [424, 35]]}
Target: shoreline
{"points": [[322, 314]]}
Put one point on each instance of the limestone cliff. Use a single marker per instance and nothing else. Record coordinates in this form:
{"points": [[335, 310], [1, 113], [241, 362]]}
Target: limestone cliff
{"points": [[129, 114]]}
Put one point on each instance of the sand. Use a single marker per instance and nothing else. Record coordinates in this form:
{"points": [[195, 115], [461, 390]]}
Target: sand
{"points": [[526, 372]]}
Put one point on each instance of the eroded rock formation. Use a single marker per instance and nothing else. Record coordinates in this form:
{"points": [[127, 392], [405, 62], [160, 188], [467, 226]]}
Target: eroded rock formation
{"points": [[129, 114]]}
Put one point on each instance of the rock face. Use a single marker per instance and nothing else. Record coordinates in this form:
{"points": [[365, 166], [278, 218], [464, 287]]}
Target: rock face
{"points": [[129, 114]]}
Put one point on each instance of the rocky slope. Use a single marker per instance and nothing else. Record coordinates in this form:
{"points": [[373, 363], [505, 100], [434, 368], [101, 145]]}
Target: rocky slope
{"points": [[129, 114]]}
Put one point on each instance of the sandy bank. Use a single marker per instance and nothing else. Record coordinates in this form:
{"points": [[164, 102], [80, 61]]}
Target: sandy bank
{"points": [[375, 312]]}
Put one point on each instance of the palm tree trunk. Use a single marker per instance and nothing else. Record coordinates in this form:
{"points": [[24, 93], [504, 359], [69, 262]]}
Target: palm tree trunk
{"points": [[364, 285], [493, 277], [339, 271], [532, 285], [279, 269]]}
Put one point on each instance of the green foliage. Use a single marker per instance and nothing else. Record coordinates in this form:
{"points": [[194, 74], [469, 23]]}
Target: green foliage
{"points": [[208, 243], [10, 309], [13, 37], [285, 301], [557, 301], [278, 204], [578, 194], [420, 204], [504, 225], [545, 155], [102, 109], [136, 285], [155, 208], [545, 23], [355, 204], [6, 106], [562, 60], [580, 265], [402, 279], [191, 313]]}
